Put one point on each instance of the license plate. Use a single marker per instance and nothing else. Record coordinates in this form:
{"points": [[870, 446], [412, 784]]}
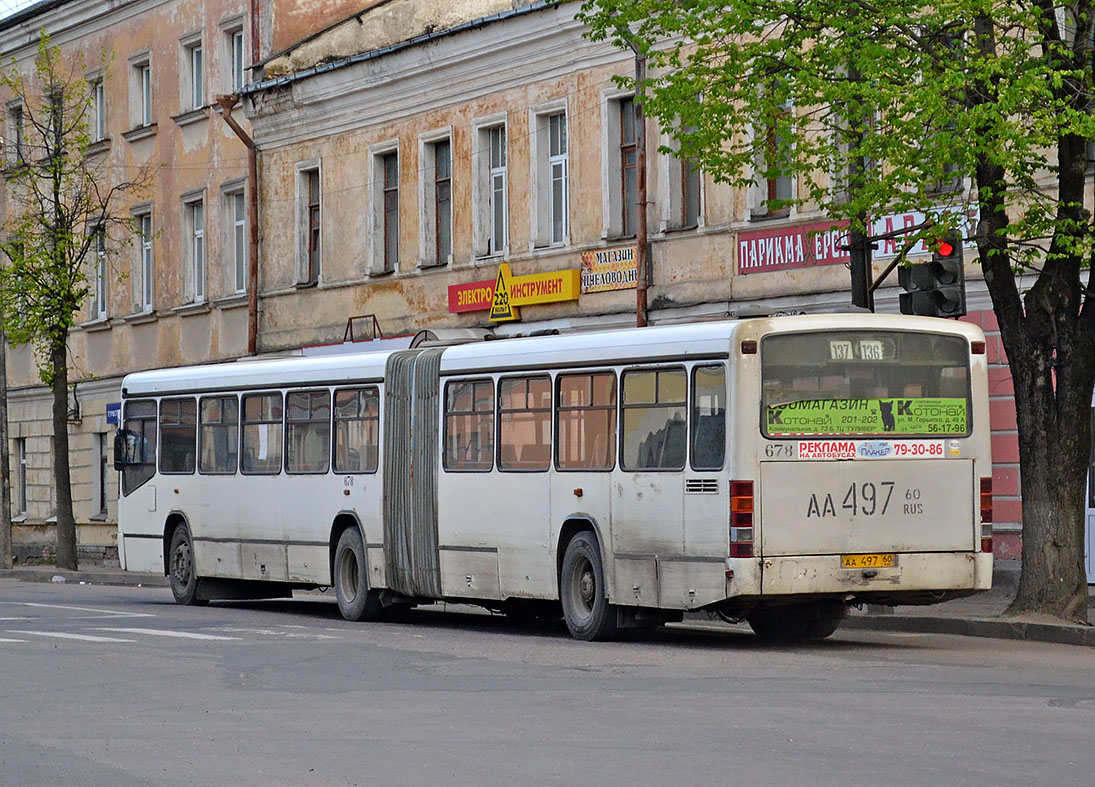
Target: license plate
{"points": [[877, 560]]}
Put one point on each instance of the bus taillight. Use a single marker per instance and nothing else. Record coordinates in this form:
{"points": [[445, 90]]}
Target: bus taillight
{"points": [[741, 519], [986, 514]]}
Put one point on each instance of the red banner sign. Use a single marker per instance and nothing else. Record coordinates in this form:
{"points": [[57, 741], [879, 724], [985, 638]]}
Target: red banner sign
{"points": [[799, 246]]}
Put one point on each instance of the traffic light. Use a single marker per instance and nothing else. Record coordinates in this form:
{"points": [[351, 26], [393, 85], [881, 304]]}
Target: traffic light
{"points": [[936, 288]]}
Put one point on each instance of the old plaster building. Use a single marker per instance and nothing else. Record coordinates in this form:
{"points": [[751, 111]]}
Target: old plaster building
{"points": [[409, 154]]}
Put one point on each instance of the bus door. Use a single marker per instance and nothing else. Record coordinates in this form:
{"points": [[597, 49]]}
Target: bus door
{"points": [[585, 453], [140, 545], [648, 486]]}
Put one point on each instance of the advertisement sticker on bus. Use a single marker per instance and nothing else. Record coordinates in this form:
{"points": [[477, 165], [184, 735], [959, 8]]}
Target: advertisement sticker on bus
{"points": [[938, 415]]}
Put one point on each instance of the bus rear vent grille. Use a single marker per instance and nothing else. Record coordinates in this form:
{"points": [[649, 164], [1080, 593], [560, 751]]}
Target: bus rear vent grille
{"points": [[702, 486]]}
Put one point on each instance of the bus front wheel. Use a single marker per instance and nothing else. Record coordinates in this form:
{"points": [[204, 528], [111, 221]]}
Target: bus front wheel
{"points": [[181, 573], [356, 600], [582, 590]]}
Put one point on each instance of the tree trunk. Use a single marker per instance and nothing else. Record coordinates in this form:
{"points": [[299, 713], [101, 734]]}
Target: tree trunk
{"points": [[66, 522], [1054, 419], [5, 460]]}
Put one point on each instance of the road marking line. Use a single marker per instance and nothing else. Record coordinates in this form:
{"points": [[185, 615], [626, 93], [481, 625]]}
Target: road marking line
{"points": [[65, 635], [108, 612], [165, 633], [5, 639]]}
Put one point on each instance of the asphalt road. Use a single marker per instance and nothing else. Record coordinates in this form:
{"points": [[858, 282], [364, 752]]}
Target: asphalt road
{"points": [[118, 686]]}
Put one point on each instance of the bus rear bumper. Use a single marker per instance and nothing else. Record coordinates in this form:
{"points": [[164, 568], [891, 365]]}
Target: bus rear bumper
{"points": [[917, 577]]}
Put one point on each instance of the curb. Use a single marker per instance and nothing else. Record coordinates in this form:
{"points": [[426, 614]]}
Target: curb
{"points": [[116, 577], [997, 628]]}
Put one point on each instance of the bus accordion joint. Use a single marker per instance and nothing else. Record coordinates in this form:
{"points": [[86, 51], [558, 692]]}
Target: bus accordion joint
{"points": [[741, 519], [986, 514]]}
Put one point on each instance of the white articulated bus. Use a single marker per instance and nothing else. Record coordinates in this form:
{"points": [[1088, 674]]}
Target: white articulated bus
{"points": [[774, 470]]}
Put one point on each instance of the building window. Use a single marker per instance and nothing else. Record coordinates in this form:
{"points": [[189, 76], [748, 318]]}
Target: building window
{"points": [[98, 108], [557, 172], [309, 223], [195, 226], [629, 169], [144, 251], [690, 193], [237, 58], [140, 90], [313, 226], [101, 475], [499, 224], [15, 133], [238, 221], [390, 232], [192, 78], [21, 476], [435, 240], [549, 216], [776, 182], [99, 287]]}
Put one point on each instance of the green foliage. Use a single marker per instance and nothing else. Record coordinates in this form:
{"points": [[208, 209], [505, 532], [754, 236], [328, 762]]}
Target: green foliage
{"points": [[924, 92], [58, 201]]}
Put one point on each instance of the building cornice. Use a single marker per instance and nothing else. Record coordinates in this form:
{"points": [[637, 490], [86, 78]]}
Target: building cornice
{"points": [[65, 21], [374, 92]]}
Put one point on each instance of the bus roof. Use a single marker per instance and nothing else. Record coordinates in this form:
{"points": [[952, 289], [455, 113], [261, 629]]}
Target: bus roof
{"points": [[625, 346]]}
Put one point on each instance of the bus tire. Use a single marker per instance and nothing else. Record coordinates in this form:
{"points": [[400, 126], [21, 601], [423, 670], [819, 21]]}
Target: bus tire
{"points": [[182, 576], [356, 600], [586, 609]]}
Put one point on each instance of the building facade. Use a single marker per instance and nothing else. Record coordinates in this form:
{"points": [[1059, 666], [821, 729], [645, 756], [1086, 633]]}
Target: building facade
{"points": [[470, 164]]}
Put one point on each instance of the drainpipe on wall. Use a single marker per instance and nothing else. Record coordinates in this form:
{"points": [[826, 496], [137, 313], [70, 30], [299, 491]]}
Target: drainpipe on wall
{"points": [[227, 104], [642, 250]]}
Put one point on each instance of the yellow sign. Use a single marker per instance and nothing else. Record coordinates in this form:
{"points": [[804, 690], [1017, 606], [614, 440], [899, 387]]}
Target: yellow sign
{"points": [[511, 291], [502, 308]]}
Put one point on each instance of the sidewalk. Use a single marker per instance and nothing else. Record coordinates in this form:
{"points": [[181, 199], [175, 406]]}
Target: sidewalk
{"points": [[976, 616]]}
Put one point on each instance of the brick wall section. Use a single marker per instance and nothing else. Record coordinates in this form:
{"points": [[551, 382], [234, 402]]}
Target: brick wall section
{"points": [[1007, 508]]}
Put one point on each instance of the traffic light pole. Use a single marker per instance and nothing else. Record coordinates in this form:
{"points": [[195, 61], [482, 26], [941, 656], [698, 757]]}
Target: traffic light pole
{"points": [[859, 249]]}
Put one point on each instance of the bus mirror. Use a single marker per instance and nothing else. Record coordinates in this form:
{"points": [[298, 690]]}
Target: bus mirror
{"points": [[124, 440]]}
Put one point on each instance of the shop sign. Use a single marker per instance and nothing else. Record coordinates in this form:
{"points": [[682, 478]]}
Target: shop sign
{"points": [[800, 246], [114, 412], [605, 270], [505, 293], [891, 247]]}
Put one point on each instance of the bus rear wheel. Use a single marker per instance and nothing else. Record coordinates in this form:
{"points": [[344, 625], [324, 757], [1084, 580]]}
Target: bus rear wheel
{"points": [[806, 621], [356, 600], [582, 590], [180, 568]]}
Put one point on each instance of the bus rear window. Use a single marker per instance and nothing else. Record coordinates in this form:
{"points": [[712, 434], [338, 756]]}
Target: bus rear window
{"points": [[865, 383]]}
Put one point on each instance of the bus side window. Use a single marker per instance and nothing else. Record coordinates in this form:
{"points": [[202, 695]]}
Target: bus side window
{"points": [[655, 406], [261, 443], [524, 423], [708, 417], [178, 435], [357, 430], [586, 414], [219, 433], [469, 425], [140, 422], [308, 431]]}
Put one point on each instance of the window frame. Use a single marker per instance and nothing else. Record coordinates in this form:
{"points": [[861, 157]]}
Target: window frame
{"points": [[360, 390], [542, 178], [244, 423], [447, 413], [237, 241], [239, 420], [309, 223], [692, 421], [309, 392], [99, 292], [550, 410], [194, 210], [389, 190], [145, 259], [623, 406], [160, 426], [98, 104], [558, 409], [21, 499]]}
